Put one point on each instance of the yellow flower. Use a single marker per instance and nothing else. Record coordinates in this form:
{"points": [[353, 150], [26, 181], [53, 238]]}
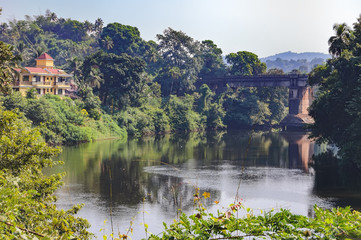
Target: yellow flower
{"points": [[216, 202], [206, 195]]}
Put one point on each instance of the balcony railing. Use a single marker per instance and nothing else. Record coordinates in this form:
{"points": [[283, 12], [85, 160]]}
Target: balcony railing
{"points": [[22, 83], [62, 84], [43, 83]]}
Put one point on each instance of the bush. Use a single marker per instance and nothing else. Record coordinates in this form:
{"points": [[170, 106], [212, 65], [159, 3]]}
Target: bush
{"points": [[63, 120], [27, 209], [181, 115]]}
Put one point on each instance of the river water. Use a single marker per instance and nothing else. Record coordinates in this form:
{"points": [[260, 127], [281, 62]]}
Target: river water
{"points": [[127, 184]]}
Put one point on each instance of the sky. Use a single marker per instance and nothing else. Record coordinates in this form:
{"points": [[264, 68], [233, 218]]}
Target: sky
{"points": [[264, 27]]}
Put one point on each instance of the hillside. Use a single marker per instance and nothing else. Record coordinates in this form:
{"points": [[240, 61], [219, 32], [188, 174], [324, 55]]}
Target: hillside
{"points": [[291, 61], [309, 56]]}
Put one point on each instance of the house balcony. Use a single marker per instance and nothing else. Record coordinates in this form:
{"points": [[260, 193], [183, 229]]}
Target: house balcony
{"points": [[62, 84], [43, 84], [23, 83]]}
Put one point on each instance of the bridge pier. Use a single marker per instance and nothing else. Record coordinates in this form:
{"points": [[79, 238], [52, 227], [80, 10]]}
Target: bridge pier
{"points": [[299, 100]]}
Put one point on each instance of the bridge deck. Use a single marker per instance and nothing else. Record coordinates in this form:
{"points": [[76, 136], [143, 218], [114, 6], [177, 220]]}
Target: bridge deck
{"points": [[286, 80]]}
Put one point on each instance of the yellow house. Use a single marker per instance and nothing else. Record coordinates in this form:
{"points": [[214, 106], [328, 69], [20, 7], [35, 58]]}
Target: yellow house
{"points": [[43, 77]]}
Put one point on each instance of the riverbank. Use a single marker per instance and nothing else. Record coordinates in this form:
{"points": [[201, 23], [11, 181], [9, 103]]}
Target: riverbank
{"points": [[63, 121]]}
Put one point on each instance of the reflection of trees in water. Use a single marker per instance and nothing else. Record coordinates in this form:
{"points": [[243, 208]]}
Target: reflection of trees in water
{"points": [[93, 163], [172, 193], [337, 181]]}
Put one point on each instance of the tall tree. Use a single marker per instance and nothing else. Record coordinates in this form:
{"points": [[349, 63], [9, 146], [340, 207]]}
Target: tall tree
{"points": [[120, 77], [336, 110], [245, 63], [213, 65], [180, 62], [339, 42]]}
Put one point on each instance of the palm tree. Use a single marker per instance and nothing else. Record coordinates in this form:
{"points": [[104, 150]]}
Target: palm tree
{"points": [[108, 43], [342, 39], [98, 25]]}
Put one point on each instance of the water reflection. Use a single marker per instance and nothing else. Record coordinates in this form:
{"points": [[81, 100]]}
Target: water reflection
{"points": [[159, 176]]}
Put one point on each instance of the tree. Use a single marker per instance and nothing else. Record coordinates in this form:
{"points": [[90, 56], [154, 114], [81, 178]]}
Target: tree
{"points": [[213, 65], [212, 110], [336, 110], [7, 64], [339, 42], [27, 209], [245, 63], [118, 38], [180, 63], [121, 79]]}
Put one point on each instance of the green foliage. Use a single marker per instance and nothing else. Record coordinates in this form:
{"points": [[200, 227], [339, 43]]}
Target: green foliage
{"points": [[180, 63], [181, 115], [118, 39], [61, 120], [27, 209], [121, 78], [338, 223], [143, 121], [336, 110], [245, 63], [213, 111], [213, 65], [7, 62], [244, 108]]}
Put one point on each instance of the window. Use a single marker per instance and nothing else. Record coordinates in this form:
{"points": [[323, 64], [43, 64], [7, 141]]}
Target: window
{"points": [[25, 78], [38, 90], [60, 91], [38, 78]]}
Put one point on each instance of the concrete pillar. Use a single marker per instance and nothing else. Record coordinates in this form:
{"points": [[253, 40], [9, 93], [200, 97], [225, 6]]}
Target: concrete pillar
{"points": [[299, 99]]}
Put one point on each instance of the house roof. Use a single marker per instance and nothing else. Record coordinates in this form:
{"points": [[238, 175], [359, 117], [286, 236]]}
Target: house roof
{"points": [[44, 56], [36, 70], [55, 71]]}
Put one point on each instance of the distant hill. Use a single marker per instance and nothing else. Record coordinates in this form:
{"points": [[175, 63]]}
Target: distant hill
{"points": [[309, 56], [289, 61]]}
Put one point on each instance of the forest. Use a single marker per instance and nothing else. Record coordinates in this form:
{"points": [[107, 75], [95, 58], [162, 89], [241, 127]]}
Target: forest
{"points": [[146, 87]]}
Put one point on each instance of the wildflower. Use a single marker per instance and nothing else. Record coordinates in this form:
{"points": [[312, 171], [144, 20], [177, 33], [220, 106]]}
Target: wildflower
{"points": [[206, 195], [216, 202]]}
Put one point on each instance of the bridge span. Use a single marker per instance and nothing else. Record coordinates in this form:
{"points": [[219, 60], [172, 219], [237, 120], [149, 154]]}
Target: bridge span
{"points": [[299, 98]]}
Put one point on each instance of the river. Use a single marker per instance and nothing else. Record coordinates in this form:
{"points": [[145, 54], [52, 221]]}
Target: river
{"points": [[126, 184]]}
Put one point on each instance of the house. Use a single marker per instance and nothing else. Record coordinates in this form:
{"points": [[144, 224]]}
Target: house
{"points": [[43, 77]]}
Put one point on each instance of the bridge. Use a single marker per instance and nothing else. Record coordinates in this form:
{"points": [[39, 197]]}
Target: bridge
{"points": [[299, 99]]}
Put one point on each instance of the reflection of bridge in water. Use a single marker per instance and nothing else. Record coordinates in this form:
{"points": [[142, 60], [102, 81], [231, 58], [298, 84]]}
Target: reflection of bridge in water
{"points": [[300, 150], [299, 99]]}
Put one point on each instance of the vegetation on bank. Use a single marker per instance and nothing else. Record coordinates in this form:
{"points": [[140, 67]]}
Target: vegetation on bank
{"points": [[62, 120], [148, 87], [27, 203], [338, 223], [336, 110]]}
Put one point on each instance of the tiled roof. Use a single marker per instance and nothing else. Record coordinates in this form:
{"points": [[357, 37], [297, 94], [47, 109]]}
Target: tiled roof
{"points": [[17, 69], [44, 56], [35, 70], [55, 71]]}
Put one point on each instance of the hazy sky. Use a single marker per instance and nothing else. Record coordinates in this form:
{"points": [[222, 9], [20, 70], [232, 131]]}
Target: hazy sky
{"points": [[265, 27]]}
